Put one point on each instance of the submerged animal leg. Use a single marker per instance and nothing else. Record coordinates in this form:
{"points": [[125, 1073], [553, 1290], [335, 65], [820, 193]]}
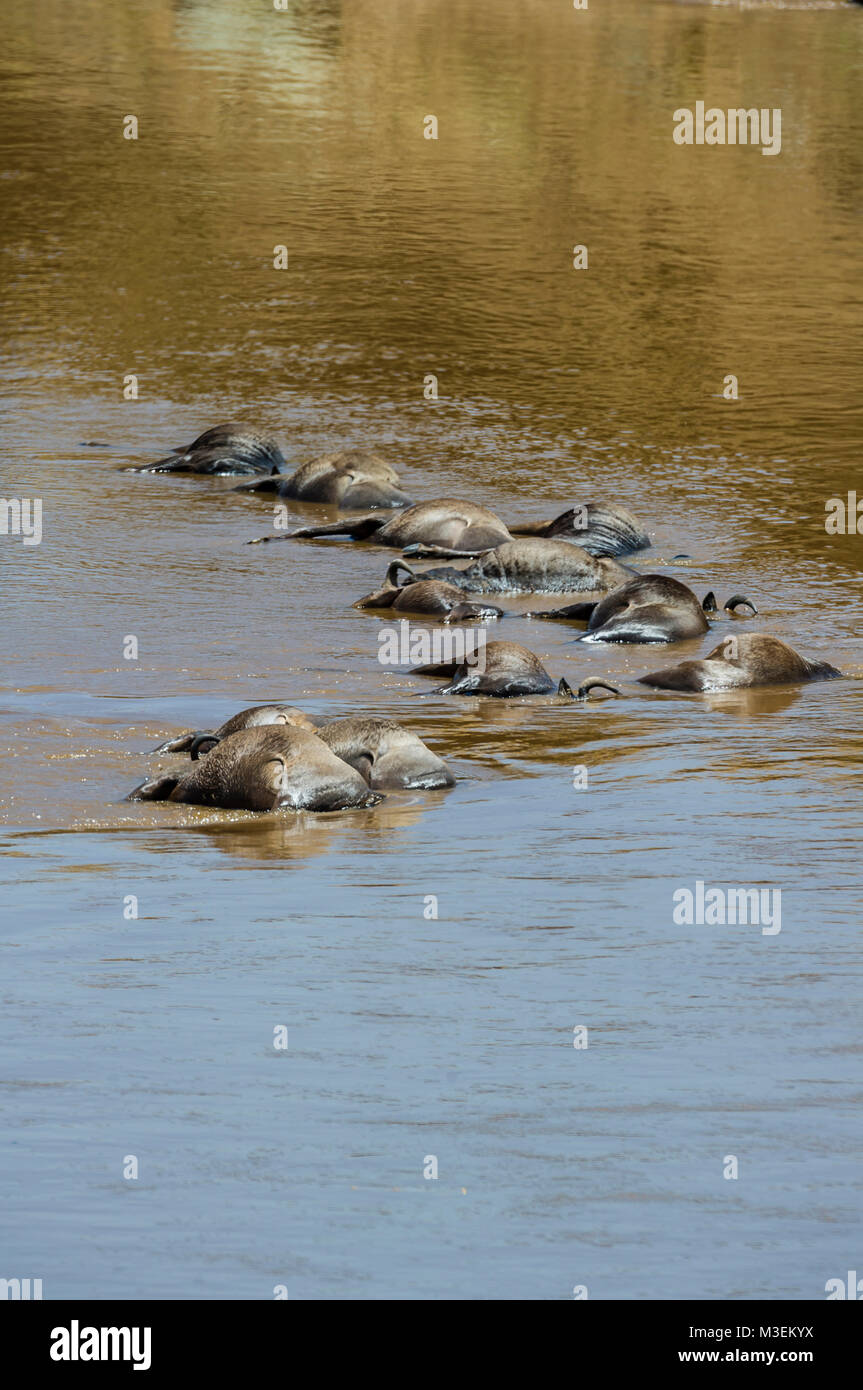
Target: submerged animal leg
{"points": [[576, 612], [358, 530]]}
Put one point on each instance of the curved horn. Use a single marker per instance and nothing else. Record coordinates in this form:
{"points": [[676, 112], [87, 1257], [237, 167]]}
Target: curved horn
{"points": [[198, 743], [738, 601], [393, 572], [594, 683], [709, 603]]}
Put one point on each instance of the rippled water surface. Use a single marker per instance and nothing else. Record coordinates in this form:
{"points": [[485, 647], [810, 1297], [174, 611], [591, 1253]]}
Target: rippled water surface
{"points": [[409, 1035]]}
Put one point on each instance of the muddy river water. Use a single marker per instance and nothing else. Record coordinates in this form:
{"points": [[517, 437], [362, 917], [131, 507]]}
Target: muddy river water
{"points": [[411, 1035]]}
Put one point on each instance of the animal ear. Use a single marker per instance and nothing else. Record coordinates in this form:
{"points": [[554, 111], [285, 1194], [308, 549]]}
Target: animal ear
{"points": [[708, 603], [155, 789], [273, 767]]}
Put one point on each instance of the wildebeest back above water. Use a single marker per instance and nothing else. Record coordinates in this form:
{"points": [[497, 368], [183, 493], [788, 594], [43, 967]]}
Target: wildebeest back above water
{"points": [[355, 478], [255, 716], [429, 597], [223, 451], [601, 528], [739, 663], [450, 526], [265, 768], [503, 670], [531, 564], [649, 608], [385, 754], [448, 522]]}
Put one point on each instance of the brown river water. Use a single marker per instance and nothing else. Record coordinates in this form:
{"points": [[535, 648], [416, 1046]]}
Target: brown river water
{"points": [[451, 1036]]}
